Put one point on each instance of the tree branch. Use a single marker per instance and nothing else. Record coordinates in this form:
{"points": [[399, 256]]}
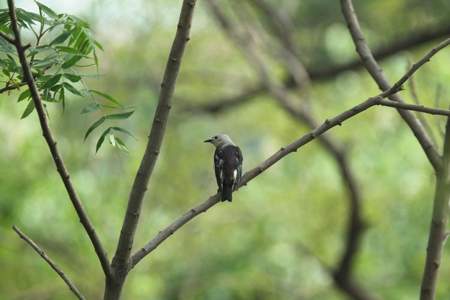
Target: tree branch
{"points": [[377, 74], [50, 262], [413, 107], [422, 119], [248, 176], [122, 256], [415, 39], [438, 227], [46, 132], [7, 38]]}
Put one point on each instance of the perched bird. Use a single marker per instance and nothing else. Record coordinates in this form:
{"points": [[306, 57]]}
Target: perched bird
{"points": [[227, 165]]}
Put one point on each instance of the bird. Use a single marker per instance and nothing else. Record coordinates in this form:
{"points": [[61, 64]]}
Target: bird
{"points": [[227, 165]]}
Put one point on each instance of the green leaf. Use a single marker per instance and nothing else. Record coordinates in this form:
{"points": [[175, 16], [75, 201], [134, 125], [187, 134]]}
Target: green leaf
{"points": [[121, 145], [93, 126], [28, 110], [68, 50], [51, 82], [107, 97], [124, 115], [71, 89], [112, 140], [62, 99], [71, 61], [47, 10], [72, 77], [25, 94], [98, 45], [101, 139], [91, 108], [123, 130], [61, 38]]}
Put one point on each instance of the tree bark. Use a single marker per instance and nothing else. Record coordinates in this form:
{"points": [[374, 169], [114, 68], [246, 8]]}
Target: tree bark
{"points": [[438, 225], [113, 289]]}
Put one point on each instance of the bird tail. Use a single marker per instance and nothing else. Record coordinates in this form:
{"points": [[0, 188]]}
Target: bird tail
{"points": [[227, 193]]}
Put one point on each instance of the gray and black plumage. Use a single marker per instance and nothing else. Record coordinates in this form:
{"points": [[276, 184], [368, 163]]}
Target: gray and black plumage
{"points": [[227, 165]]}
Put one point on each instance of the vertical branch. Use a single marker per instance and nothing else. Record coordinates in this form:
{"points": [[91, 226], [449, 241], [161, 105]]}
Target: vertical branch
{"points": [[439, 221], [48, 136], [121, 261], [50, 262], [377, 74]]}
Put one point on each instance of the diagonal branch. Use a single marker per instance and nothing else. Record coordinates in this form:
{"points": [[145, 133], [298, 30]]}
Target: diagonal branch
{"points": [[376, 72], [251, 174], [50, 262], [121, 258], [48, 136], [422, 119], [7, 38]]}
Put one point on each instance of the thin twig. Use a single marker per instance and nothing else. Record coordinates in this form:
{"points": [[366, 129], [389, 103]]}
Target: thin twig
{"points": [[415, 96], [60, 166], [376, 72], [121, 258], [413, 107], [7, 38], [50, 262], [338, 120]]}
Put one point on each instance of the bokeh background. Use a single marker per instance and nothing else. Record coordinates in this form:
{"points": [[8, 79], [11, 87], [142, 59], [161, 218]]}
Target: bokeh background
{"points": [[272, 241]]}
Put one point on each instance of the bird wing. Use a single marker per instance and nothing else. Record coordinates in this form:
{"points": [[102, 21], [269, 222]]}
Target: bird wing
{"points": [[239, 159], [218, 166]]}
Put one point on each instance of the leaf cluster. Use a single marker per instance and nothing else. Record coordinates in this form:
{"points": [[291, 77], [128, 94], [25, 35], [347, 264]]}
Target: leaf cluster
{"points": [[61, 46]]}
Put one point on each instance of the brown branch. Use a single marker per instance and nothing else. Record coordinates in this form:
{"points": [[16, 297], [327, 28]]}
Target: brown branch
{"points": [[413, 107], [438, 227], [377, 74], [9, 87], [413, 40], [121, 259], [338, 120], [50, 262], [48, 136]]}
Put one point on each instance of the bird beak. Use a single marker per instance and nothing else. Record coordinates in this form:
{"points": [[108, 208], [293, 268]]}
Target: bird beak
{"points": [[207, 141]]}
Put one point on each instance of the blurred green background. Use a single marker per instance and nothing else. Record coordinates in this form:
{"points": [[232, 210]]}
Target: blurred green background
{"points": [[253, 248]]}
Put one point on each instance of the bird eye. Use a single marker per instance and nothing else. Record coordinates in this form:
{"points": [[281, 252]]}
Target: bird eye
{"points": [[215, 137]]}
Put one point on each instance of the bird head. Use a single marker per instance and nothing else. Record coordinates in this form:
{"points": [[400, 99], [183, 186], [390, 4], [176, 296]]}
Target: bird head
{"points": [[220, 140]]}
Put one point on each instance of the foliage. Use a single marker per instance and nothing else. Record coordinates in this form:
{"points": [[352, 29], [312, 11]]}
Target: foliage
{"points": [[61, 49]]}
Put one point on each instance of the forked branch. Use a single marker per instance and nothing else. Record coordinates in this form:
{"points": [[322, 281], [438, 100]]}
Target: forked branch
{"points": [[376, 72]]}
